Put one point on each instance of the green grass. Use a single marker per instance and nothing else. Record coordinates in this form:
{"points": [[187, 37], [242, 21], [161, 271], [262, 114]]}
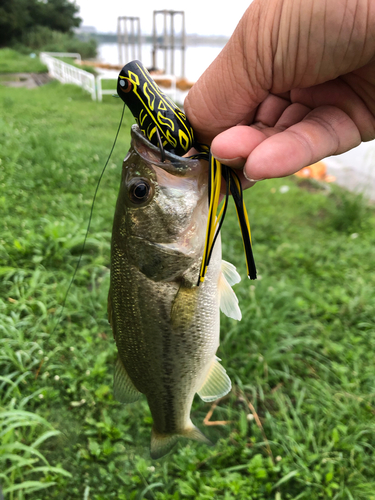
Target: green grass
{"points": [[12, 61], [301, 360]]}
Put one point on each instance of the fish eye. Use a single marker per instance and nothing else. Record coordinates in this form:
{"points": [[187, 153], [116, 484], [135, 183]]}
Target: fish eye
{"points": [[125, 85], [140, 191]]}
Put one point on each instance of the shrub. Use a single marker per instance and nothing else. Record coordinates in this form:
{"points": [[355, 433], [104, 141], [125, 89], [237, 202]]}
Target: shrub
{"points": [[44, 39]]}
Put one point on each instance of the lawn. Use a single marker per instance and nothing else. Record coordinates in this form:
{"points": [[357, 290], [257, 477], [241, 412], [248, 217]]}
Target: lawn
{"points": [[12, 61], [300, 420]]}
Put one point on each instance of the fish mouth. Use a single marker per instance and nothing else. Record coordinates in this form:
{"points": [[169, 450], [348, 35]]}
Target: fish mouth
{"points": [[177, 165]]}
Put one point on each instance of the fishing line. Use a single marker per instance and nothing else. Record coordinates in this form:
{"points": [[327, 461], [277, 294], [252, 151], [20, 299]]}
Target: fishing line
{"points": [[89, 224]]}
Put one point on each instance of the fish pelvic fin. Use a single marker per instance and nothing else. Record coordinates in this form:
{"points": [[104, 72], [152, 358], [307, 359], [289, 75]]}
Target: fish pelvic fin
{"points": [[123, 388], [217, 383], [227, 297], [161, 444]]}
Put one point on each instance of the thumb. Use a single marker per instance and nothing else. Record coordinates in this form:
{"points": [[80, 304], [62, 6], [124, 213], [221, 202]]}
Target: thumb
{"points": [[229, 91]]}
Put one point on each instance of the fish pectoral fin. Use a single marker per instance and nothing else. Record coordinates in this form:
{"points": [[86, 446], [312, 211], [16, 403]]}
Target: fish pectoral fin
{"points": [[161, 444], [184, 306], [227, 297], [217, 383], [123, 388]]}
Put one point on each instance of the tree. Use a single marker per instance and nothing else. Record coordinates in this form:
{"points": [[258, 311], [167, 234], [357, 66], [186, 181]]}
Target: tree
{"points": [[14, 19], [19, 17], [57, 15]]}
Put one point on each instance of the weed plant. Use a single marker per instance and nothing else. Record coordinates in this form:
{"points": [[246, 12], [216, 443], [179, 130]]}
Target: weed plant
{"points": [[299, 422]]}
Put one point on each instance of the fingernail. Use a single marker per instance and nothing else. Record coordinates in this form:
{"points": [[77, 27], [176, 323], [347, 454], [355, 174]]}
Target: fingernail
{"points": [[250, 179], [225, 160]]}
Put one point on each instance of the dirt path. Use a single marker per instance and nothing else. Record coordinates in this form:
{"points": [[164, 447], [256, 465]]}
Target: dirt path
{"points": [[26, 80]]}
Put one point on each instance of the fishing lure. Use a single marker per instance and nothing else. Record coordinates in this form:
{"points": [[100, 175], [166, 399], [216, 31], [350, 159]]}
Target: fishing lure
{"points": [[158, 117], [167, 127]]}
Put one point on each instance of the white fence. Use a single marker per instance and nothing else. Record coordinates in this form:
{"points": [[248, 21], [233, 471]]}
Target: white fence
{"points": [[74, 55], [99, 87], [66, 73]]}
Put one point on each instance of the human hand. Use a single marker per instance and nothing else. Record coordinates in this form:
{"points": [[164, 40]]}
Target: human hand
{"points": [[294, 84]]}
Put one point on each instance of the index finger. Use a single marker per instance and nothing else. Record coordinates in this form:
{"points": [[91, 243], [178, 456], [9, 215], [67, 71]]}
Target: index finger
{"points": [[325, 131]]}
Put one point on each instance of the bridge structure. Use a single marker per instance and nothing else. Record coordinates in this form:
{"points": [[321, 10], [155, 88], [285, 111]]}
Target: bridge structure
{"points": [[168, 39], [129, 39]]}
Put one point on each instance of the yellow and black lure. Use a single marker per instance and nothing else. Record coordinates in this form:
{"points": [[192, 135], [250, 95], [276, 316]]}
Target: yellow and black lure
{"points": [[158, 117], [166, 126]]}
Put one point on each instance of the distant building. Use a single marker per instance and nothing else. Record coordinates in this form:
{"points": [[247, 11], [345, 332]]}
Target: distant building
{"points": [[85, 30]]}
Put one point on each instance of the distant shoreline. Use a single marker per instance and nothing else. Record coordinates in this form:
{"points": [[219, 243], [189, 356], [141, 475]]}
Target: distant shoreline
{"points": [[191, 39]]}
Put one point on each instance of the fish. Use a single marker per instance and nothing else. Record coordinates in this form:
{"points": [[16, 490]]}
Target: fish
{"points": [[166, 328]]}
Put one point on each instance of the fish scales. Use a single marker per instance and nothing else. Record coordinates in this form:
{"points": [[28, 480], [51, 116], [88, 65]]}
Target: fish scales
{"points": [[166, 328]]}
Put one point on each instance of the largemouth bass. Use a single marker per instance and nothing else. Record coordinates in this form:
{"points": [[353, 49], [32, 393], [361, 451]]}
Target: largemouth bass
{"points": [[166, 328]]}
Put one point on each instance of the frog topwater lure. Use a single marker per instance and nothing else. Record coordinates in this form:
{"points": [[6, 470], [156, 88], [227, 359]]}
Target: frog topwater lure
{"points": [[167, 127], [158, 117]]}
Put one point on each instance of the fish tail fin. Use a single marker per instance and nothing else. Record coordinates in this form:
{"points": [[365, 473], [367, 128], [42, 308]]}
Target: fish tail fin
{"points": [[161, 444], [192, 432]]}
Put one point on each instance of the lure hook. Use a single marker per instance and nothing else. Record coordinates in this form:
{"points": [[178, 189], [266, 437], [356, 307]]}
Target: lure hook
{"points": [[162, 152]]}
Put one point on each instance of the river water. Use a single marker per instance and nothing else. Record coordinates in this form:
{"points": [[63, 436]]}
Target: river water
{"points": [[197, 58]]}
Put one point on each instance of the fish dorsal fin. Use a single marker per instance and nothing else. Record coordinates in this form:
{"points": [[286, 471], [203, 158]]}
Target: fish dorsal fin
{"points": [[227, 298], [230, 272], [123, 388], [217, 383]]}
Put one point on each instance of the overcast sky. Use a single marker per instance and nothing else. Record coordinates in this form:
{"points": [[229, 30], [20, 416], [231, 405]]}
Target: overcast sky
{"points": [[205, 17]]}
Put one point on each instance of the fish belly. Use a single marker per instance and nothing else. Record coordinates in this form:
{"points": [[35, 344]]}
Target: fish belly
{"points": [[166, 348]]}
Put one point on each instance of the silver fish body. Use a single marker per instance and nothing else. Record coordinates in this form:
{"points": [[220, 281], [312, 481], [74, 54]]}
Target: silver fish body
{"points": [[166, 328]]}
